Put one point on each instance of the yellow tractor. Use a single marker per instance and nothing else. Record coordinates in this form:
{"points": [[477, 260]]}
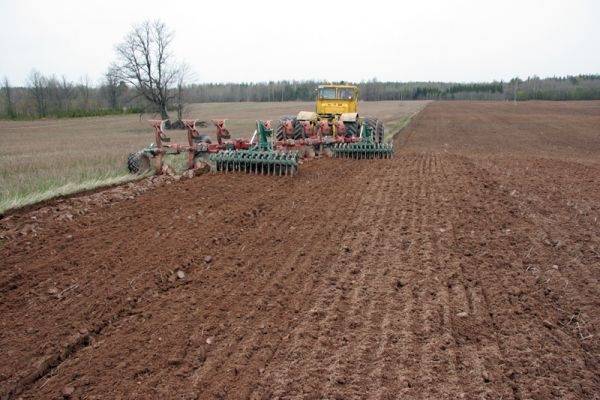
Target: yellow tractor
{"points": [[336, 113]]}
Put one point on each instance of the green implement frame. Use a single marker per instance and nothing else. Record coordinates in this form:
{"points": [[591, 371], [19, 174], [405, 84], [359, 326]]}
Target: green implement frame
{"points": [[261, 158], [365, 148]]}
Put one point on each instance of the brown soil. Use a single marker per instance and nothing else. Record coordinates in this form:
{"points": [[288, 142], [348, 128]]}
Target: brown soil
{"points": [[466, 267]]}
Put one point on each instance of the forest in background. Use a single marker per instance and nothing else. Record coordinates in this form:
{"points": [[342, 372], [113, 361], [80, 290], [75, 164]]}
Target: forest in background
{"points": [[49, 96]]}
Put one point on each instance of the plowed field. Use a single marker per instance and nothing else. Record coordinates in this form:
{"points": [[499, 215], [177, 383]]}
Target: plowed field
{"points": [[465, 267]]}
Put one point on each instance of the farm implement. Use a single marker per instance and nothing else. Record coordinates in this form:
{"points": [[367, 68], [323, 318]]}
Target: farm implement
{"points": [[260, 154], [334, 130], [256, 155]]}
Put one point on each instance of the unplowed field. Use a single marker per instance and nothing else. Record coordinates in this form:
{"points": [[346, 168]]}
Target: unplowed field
{"points": [[465, 267]]}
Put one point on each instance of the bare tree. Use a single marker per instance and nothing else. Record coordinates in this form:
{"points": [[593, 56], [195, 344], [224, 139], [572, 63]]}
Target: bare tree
{"points": [[84, 87], [9, 109], [111, 89], [180, 93], [59, 94], [144, 61], [38, 89], [66, 92]]}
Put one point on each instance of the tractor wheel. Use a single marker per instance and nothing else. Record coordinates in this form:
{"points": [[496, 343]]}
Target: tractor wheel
{"points": [[138, 163], [376, 127], [351, 128], [279, 135], [299, 130]]}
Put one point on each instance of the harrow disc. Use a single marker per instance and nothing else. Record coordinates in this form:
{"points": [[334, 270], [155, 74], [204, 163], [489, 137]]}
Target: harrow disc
{"points": [[362, 150], [263, 162]]}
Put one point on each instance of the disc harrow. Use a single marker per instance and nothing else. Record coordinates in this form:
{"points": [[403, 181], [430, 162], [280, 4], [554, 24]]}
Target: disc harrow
{"points": [[255, 162], [260, 158], [366, 147], [360, 150]]}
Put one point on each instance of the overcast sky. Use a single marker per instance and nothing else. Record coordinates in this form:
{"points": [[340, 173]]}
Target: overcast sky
{"points": [[225, 40]]}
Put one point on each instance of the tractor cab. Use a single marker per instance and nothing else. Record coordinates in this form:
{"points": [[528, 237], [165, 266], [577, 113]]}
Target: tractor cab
{"points": [[334, 100]]}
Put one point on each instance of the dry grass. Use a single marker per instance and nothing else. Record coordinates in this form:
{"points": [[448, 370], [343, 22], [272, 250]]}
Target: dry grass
{"points": [[47, 158]]}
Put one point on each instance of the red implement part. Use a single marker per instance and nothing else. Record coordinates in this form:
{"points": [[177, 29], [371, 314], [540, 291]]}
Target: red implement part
{"points": [[323, 128], [308, 129], [163, 145], [340, 128], [192, 133], [288, 128], [222, 132], [159, 136]]}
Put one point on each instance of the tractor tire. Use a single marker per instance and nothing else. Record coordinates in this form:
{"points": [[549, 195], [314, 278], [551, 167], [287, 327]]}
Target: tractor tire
{"points": [[351, 129], [138, 163], [279, 135], [376, 127], [298, 130]]}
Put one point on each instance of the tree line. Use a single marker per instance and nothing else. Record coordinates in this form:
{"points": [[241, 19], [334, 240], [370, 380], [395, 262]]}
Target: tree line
{"points": [[50, 96], [580, 87]]}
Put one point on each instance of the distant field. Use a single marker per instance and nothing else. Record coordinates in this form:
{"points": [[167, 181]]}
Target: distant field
{"points": [[45, 158]]}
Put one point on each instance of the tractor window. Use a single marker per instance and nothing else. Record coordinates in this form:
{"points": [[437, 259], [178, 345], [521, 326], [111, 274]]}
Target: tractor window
{"points": [[345, 94], [327, 93]]}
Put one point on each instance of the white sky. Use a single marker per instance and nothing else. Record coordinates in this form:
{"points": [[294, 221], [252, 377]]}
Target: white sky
{"points": [[255, 40]]}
